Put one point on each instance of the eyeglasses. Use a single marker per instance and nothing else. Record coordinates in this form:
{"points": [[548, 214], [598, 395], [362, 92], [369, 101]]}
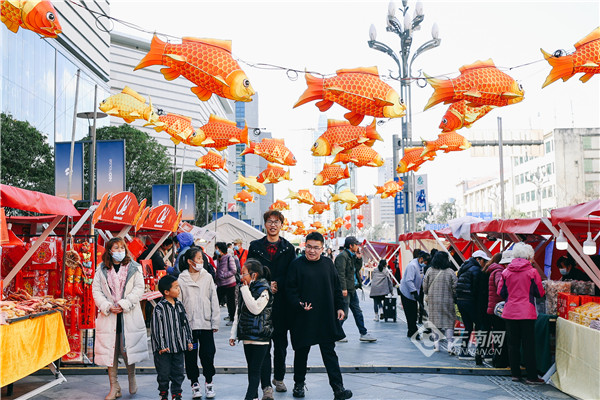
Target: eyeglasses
{"points": [[315, 248], [273, 222], [243, 275]]}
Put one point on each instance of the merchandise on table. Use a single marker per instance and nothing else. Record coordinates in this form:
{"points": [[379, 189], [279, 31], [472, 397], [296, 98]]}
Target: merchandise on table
{"points": [[582, 287], [21, 303], [552, 288], [586, 314]]}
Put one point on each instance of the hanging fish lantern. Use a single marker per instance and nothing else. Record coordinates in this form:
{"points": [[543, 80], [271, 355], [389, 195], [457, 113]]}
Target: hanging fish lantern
{"points": [[302, 195], [319, 208], [272, 150], [212, 161], [359, 90], [273, 174], [279, 205], [331, 174], [480, 84], [207, 63], [412, 159], [179, 127], [219, 133], [345, 196], [389, 189], [38, 16], [585, 59], [252, 184], [244, 197], [447, 141], [361, 201], [360, 156], [129, 105], [460, 115], [341, 136]]}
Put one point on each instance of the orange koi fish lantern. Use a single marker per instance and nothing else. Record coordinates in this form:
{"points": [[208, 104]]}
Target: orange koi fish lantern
{"points": [[360, 156], [338, 222], [219, 133], [212, 161], [361, 201], [448, 141], [244, 196], [341, 136], [480, 84], [34, 15], [319, 208], [412, 159], [273, 174], [359, 90], [331, 174], [207, 63], [279, 205], [585, 59], [390, 188], [129, 105], [460, 115], [303, 196], [272, 150], [179, 127]]}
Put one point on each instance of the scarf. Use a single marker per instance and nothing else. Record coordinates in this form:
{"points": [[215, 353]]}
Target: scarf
{"points": [[116, 282]]}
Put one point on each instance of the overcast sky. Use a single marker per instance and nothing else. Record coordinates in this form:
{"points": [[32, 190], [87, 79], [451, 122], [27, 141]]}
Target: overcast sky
{"points": [[325, 36]]}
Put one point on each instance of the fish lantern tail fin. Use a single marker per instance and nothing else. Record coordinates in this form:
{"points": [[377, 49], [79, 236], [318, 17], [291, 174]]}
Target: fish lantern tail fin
{"points": [[379, 189], [313, 92], [287, 175], [562, 67], [346, 172], [155, 55], [443, 90], [251, 145], [244, 135], [427, 148], [372, 133]]}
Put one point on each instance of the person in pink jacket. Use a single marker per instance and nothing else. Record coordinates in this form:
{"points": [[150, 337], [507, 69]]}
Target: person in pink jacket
{"points": [[519, 286]]}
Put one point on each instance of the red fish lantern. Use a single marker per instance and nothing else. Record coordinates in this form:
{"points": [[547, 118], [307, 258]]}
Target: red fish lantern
{"points": [[38, 16]]}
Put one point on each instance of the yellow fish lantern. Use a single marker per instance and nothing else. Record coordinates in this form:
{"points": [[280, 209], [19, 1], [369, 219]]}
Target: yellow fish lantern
{"points": [[361, 201], [129, 105], [302, 195], [38, 16], [251, 183], [179, 127], [345, 196]]}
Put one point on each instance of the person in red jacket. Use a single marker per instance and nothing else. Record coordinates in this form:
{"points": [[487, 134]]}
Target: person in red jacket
{"points": [[497, 324], [239, 251], [519, 285]]}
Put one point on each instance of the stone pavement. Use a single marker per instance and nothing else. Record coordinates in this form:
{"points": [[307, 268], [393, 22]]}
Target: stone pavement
{"points": [[414, 373]]}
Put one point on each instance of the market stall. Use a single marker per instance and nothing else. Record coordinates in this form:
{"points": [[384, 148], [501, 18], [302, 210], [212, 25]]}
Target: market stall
{"points": [[33, 333]]}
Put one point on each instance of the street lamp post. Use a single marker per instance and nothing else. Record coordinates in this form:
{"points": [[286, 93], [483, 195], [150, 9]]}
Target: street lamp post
{"points": [[405, 77]]}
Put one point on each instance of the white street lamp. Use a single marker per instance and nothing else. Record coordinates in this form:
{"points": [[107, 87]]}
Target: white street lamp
{"points": [[419, 8], [407, 23], [392, 9], [435, 31], [372, 32]]}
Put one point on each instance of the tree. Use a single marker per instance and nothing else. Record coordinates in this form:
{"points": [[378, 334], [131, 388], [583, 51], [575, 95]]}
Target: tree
{"points": [[205, 185], [146, 161], [27, 158]]}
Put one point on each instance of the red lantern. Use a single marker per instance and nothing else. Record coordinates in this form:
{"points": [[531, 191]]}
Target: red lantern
{"points": [[348, 226], [347, 218], [360, 225], [360, 217]]}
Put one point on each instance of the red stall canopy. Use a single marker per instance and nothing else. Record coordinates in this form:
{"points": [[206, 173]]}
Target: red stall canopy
{"points": [[28, 200], [578, 211]]}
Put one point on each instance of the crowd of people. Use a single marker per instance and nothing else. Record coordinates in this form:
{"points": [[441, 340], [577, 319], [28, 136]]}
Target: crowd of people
{"points": [[271, 290]]}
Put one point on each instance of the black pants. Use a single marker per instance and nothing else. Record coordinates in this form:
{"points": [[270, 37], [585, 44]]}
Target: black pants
{"points": [[421, 306], [499, 342], [205, 342], [470, 320], [258, 359], [280, 344], [229, 292], [521, 333], [330, 360], [169, 368], [410, 311]]}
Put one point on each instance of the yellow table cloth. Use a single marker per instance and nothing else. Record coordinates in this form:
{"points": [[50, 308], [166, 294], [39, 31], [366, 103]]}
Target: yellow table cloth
{"points": [[577, 360], [29, 345]]}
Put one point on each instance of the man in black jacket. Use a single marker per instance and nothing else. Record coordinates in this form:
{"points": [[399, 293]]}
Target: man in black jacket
{"points": [[276, 253]]}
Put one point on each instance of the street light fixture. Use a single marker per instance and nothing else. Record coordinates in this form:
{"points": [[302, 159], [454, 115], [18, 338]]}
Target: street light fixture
{"points": [[405, 77]]}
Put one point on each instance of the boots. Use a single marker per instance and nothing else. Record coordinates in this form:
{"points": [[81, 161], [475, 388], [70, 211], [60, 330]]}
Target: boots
{"points": [[115, 389], [131, 376]]}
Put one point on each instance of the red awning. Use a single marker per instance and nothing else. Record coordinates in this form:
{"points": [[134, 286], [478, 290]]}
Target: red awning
{"points": [[578, 211], [486, 226], [31, 201]]}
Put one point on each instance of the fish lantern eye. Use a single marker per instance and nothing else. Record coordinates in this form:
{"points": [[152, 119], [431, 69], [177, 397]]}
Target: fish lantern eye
{"points": [[520, 87], [444, 121], [50, 16], [315, 145], [246, 83]]}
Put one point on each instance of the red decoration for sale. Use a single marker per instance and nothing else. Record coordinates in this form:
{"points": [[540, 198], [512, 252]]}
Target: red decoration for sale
{"points": [[348, 226], [360, 225], [347, 218], [360, 217]]}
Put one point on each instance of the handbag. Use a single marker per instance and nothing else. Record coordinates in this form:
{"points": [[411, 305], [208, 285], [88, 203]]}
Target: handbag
{"points": [[499, 308]]}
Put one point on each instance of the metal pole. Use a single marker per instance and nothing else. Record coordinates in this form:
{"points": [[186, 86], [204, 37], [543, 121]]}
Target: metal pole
{"points": [[501, 157], [216, 206], [73, 136], [175, 177], [181, 179], [206, 207], [93, 150], [395, 161]]}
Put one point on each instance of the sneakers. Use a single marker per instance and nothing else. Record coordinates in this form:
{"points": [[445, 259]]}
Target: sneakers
{"points": [[298, 390], [516, 379], [536, 381], [268, 393], [344, 340], [376, 319], [196, 393], [164, 395], [367, 338], [342, 394], [209, 391], [176, 396], [279, 386]]}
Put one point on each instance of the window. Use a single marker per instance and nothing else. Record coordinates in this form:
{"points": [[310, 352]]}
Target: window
{"points": [[522, 197], [587, 142], [588, 165], [522, 178], [528, 196], [544, 194], [591, 188], [517, 198], [548, 147], [533, 195], [550, 191], [549, 169], [520, 160]]}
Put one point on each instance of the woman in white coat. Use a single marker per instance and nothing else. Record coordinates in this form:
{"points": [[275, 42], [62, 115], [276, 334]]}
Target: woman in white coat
{"points": [[120, 328]]}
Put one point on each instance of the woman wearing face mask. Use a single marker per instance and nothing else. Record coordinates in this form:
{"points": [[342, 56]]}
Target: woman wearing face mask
{"points": [[199, 298], [120, 329]]}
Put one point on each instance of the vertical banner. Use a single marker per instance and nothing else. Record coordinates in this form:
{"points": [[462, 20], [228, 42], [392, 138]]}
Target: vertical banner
{"points": [[110, 167], [399, 203], [62, 155], [188, 201], [421, 200], [161, 195]]}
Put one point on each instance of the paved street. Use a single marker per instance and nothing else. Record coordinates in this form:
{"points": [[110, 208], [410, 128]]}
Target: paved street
{"points": [[413, 375]]}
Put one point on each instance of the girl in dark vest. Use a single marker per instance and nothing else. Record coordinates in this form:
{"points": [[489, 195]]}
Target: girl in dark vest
{"points": [[253, 325]]}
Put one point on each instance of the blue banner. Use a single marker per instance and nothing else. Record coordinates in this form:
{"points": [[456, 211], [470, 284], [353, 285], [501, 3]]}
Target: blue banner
{"points": [[399, 202], [486, 216], [62, 155], [186, 196], [161, 194], [110, 167], [421, 198]]}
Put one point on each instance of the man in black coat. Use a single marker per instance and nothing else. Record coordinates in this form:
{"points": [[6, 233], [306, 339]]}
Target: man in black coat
{"points": [[276, 253], [315, 297]]}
